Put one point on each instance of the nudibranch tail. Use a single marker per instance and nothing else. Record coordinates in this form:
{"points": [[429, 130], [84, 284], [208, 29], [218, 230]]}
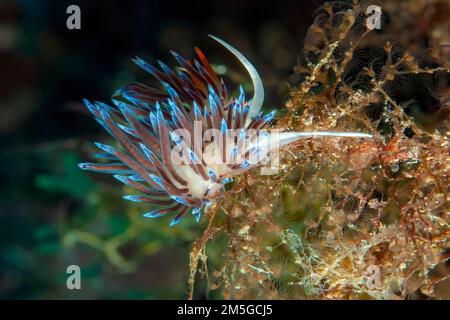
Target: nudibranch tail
{"points": [[290, 137], [258, 87]]}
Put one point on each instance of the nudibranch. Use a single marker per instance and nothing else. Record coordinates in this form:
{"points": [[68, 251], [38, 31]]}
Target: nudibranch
{"points": [[179, 146]]}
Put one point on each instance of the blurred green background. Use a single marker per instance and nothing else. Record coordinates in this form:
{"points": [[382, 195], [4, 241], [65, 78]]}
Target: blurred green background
{"points": [[52, 214]]}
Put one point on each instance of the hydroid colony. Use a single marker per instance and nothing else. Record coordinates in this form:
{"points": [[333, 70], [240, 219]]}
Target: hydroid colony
{"points": [[345, 219]]}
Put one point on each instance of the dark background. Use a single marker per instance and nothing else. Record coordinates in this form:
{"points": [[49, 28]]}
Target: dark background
{"points": [[45, 131]]}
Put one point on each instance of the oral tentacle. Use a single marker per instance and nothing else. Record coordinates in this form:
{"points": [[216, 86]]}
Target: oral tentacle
{"points": [[258, 87]]}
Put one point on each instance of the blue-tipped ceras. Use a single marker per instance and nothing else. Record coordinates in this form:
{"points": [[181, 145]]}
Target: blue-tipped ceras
{"points": [[146, 123]]}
